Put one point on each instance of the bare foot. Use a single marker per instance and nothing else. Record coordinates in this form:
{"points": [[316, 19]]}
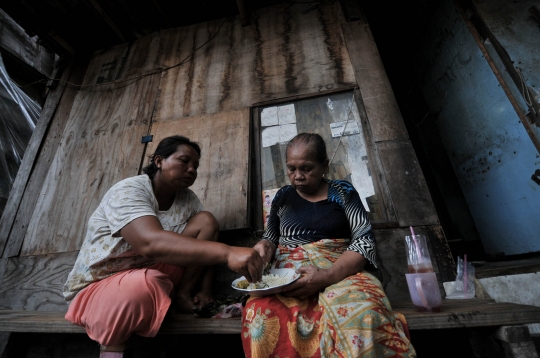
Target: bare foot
{"points": [[202, 298], [184, 303]]}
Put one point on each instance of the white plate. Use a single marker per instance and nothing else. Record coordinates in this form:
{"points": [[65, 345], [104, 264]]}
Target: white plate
{"points": [[269, 290]]}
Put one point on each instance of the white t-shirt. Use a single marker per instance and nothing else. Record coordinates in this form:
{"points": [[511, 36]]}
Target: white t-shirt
{"points": [[104, 252]]}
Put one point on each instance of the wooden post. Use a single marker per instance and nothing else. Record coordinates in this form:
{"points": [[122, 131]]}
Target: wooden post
{"points": [[244, 16]]}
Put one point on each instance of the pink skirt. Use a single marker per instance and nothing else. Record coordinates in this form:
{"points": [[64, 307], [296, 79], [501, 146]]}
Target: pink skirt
{"points": [[131, 301]]}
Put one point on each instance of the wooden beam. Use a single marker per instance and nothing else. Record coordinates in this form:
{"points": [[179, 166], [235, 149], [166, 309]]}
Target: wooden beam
{"points": [[244, 14], [163, 15], [108, 20], [376, 91], [27, 50], [351, 10], [285, 99], [61, 42], [30, 156]]}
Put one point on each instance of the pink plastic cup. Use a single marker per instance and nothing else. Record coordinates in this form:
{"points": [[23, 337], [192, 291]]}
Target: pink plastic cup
{"points": [[424, 291]]}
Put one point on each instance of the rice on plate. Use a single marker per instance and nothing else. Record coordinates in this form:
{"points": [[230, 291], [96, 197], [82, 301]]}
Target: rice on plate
{"points": [[270, 283], [267, 281]]}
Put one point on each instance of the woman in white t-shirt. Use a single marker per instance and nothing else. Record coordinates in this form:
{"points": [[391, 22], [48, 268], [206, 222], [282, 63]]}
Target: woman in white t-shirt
{"points": [[148, 235]]}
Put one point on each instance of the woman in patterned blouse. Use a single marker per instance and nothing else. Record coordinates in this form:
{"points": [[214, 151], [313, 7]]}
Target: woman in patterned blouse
{"points": [[320, 228]]}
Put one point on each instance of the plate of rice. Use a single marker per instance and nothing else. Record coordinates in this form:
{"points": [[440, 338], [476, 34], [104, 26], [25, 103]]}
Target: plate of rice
{"points": [[270, 284]]}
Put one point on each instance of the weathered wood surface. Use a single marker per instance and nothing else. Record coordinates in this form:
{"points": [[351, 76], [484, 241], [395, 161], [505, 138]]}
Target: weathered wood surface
{"points": [[408, 189], [100, 145], [42, 164], [381, 106], [4, 339], [29, 158], [54, 322], [454, 314], [392, 260], [222, 182], [440, 251], [379, 180], [28, 50], [469, 313], [3, 267], [35, 282], [34, 321], [503, 268], [288, 49]]}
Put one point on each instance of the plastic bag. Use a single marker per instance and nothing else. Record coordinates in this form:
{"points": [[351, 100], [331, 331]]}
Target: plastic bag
{"points": [[463, 287], [234, 310], [18, 117]]}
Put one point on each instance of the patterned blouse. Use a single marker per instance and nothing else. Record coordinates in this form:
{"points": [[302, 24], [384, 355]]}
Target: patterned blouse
{"points": [[104, 252], [294, 221]]}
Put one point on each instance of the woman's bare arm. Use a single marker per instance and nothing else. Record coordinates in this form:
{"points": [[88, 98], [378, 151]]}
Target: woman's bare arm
{"points": [[147, 237], [266, 249]]}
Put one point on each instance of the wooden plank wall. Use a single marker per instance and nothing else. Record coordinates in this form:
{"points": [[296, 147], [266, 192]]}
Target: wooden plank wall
{"points": [[100, 145], [35, 282], [222, 182], [287, 50], [199, 81]]}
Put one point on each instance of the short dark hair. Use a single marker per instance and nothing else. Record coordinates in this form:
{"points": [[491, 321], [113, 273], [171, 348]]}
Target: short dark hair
{"points": [[312, 140], [165, 148]]}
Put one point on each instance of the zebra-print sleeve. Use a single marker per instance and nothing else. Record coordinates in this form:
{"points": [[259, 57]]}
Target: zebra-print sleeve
{"points": [[362, 240]]}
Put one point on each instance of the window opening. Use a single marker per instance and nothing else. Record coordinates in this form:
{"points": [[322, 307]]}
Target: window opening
{"points": [[337, 119]]}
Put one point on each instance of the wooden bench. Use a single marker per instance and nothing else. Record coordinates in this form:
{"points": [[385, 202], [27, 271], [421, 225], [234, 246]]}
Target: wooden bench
{"points": [[454, 314], [471, 313]]}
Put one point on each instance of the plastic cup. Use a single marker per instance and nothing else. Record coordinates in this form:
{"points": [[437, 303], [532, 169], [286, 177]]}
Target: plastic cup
{"points": [[418, 258], [424, 291]]}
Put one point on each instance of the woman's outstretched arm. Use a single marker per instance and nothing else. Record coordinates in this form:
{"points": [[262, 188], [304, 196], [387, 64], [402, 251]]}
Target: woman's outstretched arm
{"points": [[147, 237]]}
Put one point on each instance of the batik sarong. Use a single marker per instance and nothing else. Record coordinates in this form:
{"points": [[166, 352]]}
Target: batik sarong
{"points": [[352, 318]]}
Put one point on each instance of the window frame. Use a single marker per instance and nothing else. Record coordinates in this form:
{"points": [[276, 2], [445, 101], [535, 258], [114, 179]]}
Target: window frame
{"points": [[374, 163]]}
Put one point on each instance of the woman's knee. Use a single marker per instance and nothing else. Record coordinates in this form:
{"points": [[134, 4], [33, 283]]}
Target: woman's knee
{"points": [[143, 288], [202, 225]]}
